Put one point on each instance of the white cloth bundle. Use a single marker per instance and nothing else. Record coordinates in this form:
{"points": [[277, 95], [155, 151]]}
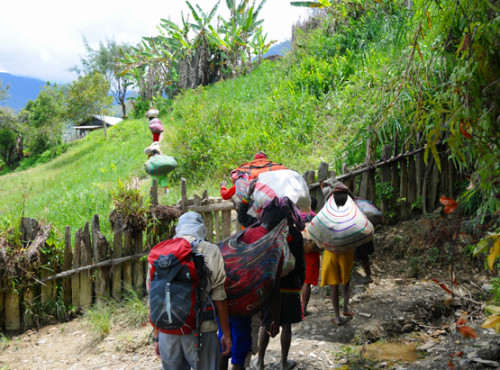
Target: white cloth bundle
{"points": [[280, 183]]}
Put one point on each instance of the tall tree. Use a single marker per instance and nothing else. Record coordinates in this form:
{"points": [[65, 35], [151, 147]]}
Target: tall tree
{"points": [[4, 91], [46, 113], [104, 60], [88, 96]]}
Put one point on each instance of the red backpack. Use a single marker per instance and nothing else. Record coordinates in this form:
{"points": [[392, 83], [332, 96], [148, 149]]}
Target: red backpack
{"points": [[178, 277]]}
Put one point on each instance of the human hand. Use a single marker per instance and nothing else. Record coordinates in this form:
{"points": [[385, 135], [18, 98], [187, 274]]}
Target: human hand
{"points": [[223, 183], [274, 329], [157, 349], [226, 345], [251, 187]]}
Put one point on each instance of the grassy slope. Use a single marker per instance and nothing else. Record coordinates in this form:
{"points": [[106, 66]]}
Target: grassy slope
{"points": [[302, 110], [76, 185]]}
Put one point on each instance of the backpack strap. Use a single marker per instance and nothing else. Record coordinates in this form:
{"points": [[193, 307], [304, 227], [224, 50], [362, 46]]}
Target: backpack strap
{"points": [[201, 270]]}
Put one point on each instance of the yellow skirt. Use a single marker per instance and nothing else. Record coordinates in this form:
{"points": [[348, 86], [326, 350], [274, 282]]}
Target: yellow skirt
{"points": [[336, 268]]}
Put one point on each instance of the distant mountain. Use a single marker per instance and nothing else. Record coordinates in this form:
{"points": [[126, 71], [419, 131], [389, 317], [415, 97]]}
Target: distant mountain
{"points": [[278, 49], [21, 90]]}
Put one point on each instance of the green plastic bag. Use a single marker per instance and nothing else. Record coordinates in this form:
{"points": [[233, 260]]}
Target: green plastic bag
{"points": [[160, 165]]}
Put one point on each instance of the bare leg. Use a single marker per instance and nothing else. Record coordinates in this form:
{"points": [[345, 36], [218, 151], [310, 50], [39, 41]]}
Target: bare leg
{"points": [[286, 340], [347, 296], [365, 262], [335, 302], [263, 343], [305, 296], [223, 363]]}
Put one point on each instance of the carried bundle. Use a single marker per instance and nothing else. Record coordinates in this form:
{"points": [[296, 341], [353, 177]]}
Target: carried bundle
{"points": [[259, 165], [155, 126], [283, 183], [251, 269], [152, 113], [153, 149], [340, 229], [371, 211], [160, 165]]}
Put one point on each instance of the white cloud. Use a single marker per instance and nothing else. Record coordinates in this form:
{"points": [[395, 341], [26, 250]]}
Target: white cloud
{"points": [[44, 39]]}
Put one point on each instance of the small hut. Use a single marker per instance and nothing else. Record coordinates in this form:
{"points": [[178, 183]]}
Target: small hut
{"points": [[95, 122]]}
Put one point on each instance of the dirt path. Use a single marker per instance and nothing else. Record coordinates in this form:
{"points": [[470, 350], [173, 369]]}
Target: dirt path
{"points": [[400, 322]]}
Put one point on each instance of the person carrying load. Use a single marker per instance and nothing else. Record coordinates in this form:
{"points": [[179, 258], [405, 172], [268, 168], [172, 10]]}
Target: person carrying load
{"points": [[247, 172]]}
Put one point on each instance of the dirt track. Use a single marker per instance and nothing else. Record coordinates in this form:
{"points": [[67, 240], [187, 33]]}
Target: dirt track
{"points": [[400, 322]]}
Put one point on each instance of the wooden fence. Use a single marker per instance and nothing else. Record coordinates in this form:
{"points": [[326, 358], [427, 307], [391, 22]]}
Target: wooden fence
{"points": [[94, 268]]}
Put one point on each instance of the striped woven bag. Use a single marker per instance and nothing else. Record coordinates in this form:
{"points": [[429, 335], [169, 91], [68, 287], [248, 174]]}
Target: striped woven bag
{"points": [[340, 229]]}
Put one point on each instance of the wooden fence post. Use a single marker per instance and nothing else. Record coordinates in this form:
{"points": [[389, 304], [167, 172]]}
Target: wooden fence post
{"points": [[412, 182], [184, 198], [226, 224], [367, 184], [217, 223], [85, 278], [403, 190], [75, 279], [102, 274], [12, 311], [138, 272], [116, 290], [385, 202], [322, 176], [127, 266], [68, 261], [433, 187]]}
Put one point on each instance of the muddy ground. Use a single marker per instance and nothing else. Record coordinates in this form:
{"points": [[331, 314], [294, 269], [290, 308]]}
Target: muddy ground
{"points": [[403, 320]]}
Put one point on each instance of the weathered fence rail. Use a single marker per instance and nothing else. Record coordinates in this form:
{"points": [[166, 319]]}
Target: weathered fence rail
{"points": [[94, 268]]}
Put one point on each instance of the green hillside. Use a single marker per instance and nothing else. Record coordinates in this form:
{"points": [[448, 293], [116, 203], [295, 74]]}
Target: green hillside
{"points": [[76, 185], [355, 73]]}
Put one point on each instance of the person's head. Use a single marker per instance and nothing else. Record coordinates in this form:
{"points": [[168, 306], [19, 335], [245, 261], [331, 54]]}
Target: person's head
{"points": [[271, 216], [260, 155], [340, 197], [191, 223]]}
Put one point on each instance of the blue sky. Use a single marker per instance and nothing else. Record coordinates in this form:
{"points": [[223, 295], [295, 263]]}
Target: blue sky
{"points": [[44, 39]]}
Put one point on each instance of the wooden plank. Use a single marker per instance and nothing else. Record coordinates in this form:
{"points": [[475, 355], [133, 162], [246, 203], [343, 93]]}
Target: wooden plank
{"points": [[226, 224], [225, 206], [433, 188], [127, 266], [385, 203], [412, 183], [116, 272], [139, 266], [12, 312], [403, 190], [425, 185], [209, 225], [75, 279], [102, 274], [218, 234], [363, 183], [309, 177], [86, 259], [184, 198], [322, 176], [67, 263]]}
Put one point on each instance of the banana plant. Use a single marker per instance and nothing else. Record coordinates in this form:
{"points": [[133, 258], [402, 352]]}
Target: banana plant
{"points": [[312, 4]]}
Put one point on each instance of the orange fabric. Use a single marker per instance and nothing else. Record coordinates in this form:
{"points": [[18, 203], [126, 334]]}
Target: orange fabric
{"points": [[259, 165]]}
